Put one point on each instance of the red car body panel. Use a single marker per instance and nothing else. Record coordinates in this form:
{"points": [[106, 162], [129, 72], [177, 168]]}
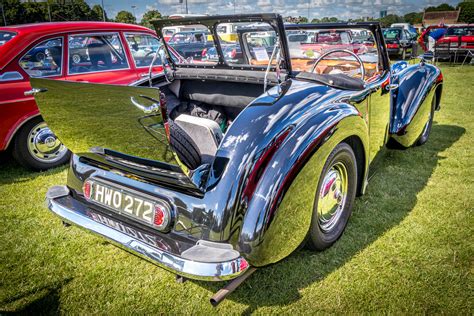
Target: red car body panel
{"points": [[15, 108]]}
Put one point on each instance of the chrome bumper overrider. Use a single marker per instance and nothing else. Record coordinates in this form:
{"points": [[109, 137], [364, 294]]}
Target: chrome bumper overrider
{"points": [[75, 212]]}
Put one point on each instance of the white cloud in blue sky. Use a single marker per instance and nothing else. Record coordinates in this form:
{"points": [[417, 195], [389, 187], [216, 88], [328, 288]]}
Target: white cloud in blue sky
{"points": [[343, 9]]}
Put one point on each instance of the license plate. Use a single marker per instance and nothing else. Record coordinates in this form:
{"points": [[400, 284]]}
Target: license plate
{"points": [[122, 201]]}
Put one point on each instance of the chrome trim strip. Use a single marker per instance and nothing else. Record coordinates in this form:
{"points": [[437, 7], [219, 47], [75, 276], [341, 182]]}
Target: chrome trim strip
{"points": [[218, 271], [11, 72]]}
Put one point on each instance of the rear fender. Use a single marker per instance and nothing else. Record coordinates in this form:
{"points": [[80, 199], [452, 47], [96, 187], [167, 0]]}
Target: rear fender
{"points": [[411, 101], [279, 214]]}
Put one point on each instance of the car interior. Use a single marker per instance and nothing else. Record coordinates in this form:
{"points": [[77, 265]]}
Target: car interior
{"points": [[204, 107]]}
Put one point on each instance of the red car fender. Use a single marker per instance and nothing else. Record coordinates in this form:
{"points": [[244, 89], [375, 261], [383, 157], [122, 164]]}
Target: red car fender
{"points": [[16, 119]]}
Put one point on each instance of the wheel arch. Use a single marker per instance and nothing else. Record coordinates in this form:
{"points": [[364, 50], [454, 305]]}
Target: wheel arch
{"points": [[412, 102], [438, 94], [17, 127], [360, 153], [278, 217]]}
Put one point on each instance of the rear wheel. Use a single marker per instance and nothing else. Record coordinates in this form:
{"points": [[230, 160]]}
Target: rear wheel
{"points": [[37, 148], [334, 198]]}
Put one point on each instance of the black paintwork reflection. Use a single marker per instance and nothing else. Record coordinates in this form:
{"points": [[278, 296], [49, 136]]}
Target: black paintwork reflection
{"points": [[86, 116]]}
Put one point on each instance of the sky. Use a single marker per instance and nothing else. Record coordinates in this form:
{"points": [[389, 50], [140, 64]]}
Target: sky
{"points": [[342, 9]]}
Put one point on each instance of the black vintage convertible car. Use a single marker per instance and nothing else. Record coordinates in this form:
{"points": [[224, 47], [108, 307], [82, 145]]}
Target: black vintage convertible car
{"points": [[219, 168]]}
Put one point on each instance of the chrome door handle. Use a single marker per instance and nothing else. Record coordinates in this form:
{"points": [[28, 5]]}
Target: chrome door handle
{"points": [[34, 91], [154, 108]]}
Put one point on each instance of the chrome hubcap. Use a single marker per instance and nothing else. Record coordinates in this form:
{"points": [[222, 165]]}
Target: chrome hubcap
{"points": [[332, 197], [43, 145], [76, 59]]}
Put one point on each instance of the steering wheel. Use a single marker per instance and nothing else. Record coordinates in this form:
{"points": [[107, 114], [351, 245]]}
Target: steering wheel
{"points": [[164, 62], [150, 53], [362, 69]]}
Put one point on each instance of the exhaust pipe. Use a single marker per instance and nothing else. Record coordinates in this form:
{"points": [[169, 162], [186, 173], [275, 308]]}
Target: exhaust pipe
{"points": [[217, 298]]}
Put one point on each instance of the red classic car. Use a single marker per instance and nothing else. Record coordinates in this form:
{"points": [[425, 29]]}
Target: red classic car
{"points": [[102, 52], [459, 35], [458, 40]]}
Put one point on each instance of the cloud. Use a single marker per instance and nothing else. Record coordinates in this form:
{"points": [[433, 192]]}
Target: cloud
{"points": [[318, 8]]}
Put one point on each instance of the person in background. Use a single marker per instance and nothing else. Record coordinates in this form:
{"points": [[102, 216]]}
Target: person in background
{"points": [[435, 34]]}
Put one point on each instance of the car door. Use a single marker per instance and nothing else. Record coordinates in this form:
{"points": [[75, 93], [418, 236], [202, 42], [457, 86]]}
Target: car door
{"points": [[379, 106], [98, 57], [42, 59], [142, 49]]}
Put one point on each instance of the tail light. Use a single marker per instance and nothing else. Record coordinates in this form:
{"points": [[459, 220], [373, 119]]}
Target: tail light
{"points": [[86, 189], [392, 45], [204, 52], [243, 264], [233, 53], [162, 217]]}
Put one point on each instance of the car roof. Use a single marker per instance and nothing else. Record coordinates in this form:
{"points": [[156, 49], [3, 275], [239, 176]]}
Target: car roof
{"points": [[28, 33], [192, 32]]}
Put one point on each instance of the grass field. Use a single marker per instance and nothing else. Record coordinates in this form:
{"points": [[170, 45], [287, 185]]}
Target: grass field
{"points": [[409, 246]]}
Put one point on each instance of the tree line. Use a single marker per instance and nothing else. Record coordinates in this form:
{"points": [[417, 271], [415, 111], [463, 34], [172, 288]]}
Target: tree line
{"points": [[18, 12], [466, 16]]}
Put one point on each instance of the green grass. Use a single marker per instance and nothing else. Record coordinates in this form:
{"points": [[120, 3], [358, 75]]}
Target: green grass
{"points": [[408, 248]]}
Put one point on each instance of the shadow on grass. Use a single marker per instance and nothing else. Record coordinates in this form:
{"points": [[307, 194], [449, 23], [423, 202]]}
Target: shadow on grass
{"points": [[391, 195], [11, 171], [38, 301]]}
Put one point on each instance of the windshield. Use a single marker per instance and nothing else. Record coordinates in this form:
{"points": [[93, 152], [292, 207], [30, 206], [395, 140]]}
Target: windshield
{"points": [[392, 34], [460, 31], [6, 36], [308, 45]]}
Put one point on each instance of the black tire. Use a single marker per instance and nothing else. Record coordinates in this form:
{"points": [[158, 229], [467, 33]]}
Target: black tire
{"points": [[425, 133], [184, 146], [24, 157], [318, 237]]}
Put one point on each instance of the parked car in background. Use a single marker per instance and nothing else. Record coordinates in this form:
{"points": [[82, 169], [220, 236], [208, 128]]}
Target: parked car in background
{"points": [[168, 32], [457, 41], [224, 168], [400, 42], [423, 38], [78, 51], [191, 44], [406, 26]]}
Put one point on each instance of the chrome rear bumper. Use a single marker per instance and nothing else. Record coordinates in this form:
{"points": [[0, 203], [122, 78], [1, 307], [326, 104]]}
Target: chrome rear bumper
{"points": [[74, 212]]}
